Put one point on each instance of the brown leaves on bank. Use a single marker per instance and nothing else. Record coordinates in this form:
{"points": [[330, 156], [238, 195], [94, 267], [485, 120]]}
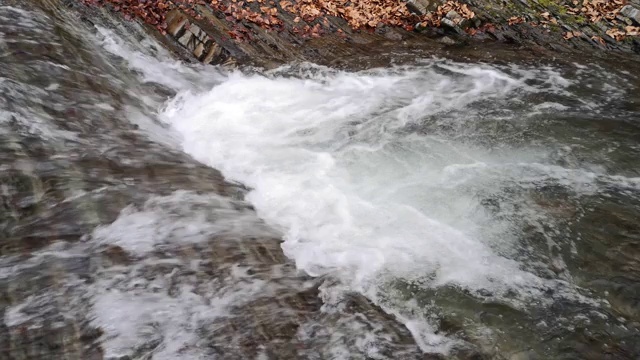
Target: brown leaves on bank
{"points": [[358, 13], [596, 10], [152, 12], [592, 10], [571, 34], [269, 14], [632, 30], [462, 9], [619, 34], [516, 20], [434, 18]]}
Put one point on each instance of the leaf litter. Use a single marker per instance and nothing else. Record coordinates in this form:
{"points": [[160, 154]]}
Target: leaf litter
{"points": [[310, 16]]}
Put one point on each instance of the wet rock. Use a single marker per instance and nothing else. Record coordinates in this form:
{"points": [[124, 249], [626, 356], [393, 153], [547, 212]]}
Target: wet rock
{"points": [[524, 355], [454, 16], [175, 23], [447, 40], [632, 13], [458, 19], [419, 7], [196, 40], [389, 33], [450, 25]]}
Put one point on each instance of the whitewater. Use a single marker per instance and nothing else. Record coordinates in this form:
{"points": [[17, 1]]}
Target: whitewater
{"points": [[380, 178], [486, 208]]}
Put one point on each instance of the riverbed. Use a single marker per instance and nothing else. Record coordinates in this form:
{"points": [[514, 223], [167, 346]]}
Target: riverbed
{"points": [[435, 208]]}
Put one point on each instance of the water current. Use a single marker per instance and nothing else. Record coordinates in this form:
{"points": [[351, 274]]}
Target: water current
{"points": [[437, 209]]}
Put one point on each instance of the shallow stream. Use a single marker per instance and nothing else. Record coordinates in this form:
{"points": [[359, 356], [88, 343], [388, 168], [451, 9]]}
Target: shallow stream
{"points": [[483, 210]]}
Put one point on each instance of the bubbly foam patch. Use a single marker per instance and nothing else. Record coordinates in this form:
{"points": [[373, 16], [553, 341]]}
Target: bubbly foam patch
{"points": [[381, 175], [329, 157], [154, 305], [167, 220]]}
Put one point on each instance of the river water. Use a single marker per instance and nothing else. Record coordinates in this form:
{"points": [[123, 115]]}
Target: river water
{"points": [[484, 210]]}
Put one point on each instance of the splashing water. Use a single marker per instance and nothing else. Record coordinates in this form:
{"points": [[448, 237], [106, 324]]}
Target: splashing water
{"points": [[377, 176], [474, 202]]}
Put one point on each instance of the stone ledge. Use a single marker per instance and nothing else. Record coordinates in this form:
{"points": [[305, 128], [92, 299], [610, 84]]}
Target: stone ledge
{"points": [[632, 13], [196, 40]]}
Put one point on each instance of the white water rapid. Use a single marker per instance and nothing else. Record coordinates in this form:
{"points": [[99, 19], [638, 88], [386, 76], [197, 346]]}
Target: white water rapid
{"points": [[386, 177], [434, 209]]}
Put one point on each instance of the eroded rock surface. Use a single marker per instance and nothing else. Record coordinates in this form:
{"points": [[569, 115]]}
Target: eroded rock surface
{"points": [[98, 253], [547, 27]]}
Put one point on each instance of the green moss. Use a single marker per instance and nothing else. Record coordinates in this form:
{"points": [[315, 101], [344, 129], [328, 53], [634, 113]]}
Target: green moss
{"points": [[580, 20], [553, 6], [574, 20]]}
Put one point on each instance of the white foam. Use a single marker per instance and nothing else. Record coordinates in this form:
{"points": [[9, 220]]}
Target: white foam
{"points": [[132, 318], [180, 218], [158, 67], [158, 314], [304, 146], [334, 165]]}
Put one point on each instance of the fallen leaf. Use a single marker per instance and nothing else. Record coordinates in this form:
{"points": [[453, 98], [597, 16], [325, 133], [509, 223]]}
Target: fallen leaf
{"points": [[616, 34], [632, 30], [516, 20], [599, 39]]}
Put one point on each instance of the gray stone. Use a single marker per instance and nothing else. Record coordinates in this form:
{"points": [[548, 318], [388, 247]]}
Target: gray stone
{"points": [[201, 35], [524, 355], [453, 15], [187, 40], [447, 40], [392, 34], [632, 13], [449, 24], [422, 7], [457, 19], [624, 20], [418, 6]]}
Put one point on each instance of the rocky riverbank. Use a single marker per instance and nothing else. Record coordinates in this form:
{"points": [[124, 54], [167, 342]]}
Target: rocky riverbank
{"points": [[269, 33]]}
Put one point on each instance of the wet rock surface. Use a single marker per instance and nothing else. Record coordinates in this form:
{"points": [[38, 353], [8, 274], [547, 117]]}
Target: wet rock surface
{"points": [[549, 28], [72, 163]]}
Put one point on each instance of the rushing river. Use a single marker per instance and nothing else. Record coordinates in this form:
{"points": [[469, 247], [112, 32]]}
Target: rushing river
{"points": [[491, 211]]}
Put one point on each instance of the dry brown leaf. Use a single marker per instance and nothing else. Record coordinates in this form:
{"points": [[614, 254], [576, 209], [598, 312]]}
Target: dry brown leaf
{"points": [[632, 30], [599, 39], [616, 34], [516, 20], [366, 14], [571, 34]]}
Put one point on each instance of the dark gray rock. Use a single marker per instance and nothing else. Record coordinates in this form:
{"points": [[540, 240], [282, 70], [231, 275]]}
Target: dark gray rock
{"points": [[422, 7], [632, 13], [451, 26]]}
